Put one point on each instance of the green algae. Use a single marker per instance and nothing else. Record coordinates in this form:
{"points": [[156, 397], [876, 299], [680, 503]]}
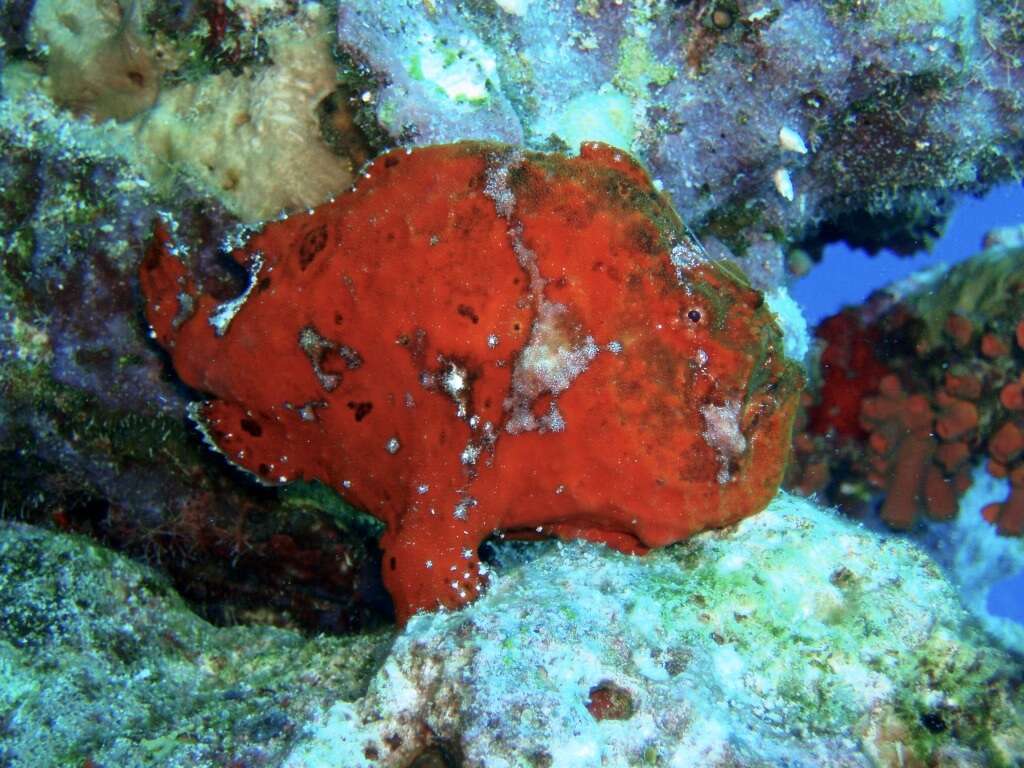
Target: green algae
{"points": [[316, 497], [638, 68], [733, 223]]}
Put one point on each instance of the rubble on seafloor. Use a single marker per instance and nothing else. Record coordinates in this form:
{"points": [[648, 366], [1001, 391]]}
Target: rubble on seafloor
{"points": [[795, 637]]}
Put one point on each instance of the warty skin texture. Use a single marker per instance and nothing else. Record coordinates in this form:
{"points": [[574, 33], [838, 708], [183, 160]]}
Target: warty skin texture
{"points": [[478, 340]]}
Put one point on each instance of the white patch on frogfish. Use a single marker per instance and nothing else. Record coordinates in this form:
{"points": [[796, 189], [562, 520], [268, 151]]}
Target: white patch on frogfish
{"points": [[722, 433], [548, 364]]}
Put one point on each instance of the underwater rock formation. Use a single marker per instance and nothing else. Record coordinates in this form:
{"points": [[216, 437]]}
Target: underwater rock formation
{"points": [[794, 638], [556, 326], [767, 123], [918, 386], [103, 664]]}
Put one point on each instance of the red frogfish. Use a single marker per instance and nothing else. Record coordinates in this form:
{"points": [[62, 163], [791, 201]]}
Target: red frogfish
{"points": [[482, 340]]}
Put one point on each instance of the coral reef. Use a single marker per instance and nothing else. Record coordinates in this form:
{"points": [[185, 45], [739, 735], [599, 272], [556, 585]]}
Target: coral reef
{"points": [[102, 664], [918, 384], [211, 112], [795, 638], [768, 124], [558, 325], [252, 116]]}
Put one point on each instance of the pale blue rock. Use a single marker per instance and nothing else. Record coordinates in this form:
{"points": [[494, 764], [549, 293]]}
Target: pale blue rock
{"points": [[795, 638]]}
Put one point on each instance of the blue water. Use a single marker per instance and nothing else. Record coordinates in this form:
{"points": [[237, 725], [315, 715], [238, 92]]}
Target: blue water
{"points": [[848, 276]]}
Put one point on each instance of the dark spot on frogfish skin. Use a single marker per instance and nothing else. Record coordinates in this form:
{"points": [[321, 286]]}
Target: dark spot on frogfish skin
{"points": [[467, 311], [252, 427], [933, 721], [360, 410], [314, 241], [644, 239]]}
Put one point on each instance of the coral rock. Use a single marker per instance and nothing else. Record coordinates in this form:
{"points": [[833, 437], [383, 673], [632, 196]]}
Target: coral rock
{"points": [[482, 340], [789, 612], [927, 374]]}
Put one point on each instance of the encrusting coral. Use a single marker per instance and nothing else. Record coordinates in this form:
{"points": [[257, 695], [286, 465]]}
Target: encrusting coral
{"points": [[476, 340], [915, 388]]}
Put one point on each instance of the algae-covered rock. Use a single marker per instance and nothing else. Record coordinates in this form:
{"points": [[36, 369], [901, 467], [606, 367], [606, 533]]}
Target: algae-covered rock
{"points": [[767, 122], [795, 638], [101, 663]]}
